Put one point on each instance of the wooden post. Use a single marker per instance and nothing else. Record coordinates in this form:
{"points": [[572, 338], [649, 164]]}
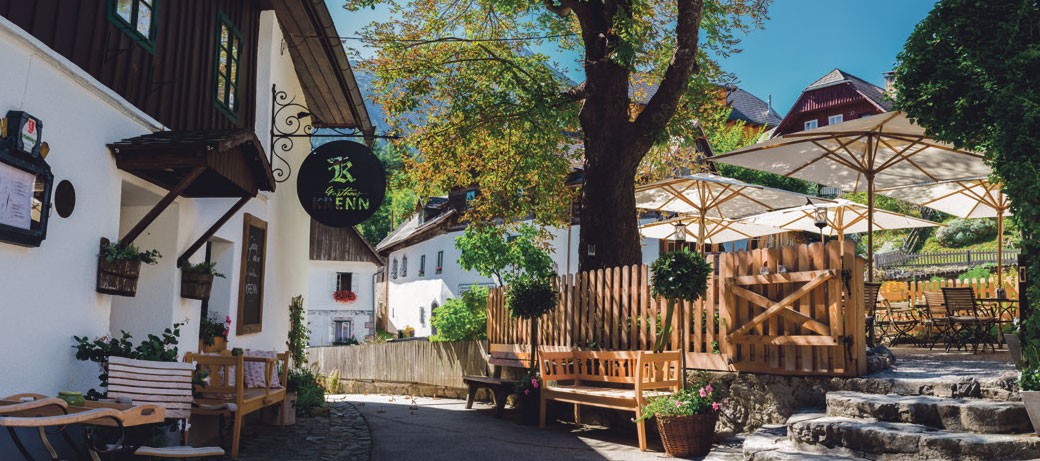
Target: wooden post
{"points": [[870, 226], [161, 206], [212, 230], [1000, 249]]}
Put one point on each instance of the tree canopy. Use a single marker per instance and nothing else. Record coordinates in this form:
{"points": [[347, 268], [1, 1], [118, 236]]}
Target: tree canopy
{"points": [[970, 74], [479, 88]]}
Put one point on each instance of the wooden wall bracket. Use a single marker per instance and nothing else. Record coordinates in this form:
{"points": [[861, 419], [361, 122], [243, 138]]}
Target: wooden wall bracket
{"points": [[161, 206], [212, 230]]}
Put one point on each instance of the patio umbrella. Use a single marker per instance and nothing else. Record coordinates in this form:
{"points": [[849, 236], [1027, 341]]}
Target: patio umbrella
{"points": [[843, 217], [964, 198], [716, 230], [705, 196], [880, 151]]}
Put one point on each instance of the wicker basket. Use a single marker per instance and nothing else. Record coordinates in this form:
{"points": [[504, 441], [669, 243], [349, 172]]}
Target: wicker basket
{"points": [[196, 285], [687, 435], [118, 277]]}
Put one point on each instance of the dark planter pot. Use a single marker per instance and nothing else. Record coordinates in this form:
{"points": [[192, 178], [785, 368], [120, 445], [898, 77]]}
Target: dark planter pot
{"points": [[118, 277], [196, 285], [687, 435], [527, 406]]}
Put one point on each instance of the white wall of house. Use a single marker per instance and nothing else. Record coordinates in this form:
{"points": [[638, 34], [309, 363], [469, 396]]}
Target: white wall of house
{"points": [[411, 296], [47, 294], [323, 311]]}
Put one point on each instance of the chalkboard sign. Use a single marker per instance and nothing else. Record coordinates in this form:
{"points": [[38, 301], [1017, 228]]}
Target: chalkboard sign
{"points": [[251, 282], [341, 184]]}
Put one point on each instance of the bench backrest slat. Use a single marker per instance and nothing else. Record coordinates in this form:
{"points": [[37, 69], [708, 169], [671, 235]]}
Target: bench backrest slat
{"points": [[658, 371], [167, 384]]}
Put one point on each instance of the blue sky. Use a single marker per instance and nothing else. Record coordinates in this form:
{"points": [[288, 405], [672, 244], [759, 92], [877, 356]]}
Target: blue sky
{"points": [[802, 41]]}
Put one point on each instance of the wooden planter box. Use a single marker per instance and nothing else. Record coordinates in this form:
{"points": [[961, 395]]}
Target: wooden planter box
{"points": [[118, 277], [196, 285], [219, 345]]}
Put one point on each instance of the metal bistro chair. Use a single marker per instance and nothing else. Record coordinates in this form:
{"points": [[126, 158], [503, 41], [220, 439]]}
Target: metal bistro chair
{"points": [[962, 299], [896, 319], [870, 295]]}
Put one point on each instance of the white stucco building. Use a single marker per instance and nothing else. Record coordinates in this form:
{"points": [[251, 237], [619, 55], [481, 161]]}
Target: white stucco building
{"points": [[147, 86], [422, 269], [341, 261]]}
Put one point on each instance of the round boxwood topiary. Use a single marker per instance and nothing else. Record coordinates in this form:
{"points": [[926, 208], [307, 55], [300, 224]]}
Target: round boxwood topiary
{"points": [[530, 297], [680, 275]]}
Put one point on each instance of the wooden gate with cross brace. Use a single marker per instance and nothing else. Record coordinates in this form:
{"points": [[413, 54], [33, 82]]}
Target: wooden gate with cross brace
{"points": [[794, 310]]}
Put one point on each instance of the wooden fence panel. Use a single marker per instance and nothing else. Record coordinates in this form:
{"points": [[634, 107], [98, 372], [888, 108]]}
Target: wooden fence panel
{"points": [[420, 362]]}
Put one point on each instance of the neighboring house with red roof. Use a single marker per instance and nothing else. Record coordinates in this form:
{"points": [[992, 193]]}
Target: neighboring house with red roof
{"points": [[834, 98]]}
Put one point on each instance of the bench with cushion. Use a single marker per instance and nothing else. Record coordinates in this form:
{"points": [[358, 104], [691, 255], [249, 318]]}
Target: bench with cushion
{"points": [[240, 385], [502, 356], [620, 380]]}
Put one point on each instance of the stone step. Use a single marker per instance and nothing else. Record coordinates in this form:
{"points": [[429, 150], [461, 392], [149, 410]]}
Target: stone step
{"points": [[770, 443], [998, 386], [879, 440], [961, 415]]}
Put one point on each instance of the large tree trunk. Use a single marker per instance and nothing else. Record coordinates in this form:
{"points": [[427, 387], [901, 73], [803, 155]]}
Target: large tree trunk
{"points": [[614, 143]]}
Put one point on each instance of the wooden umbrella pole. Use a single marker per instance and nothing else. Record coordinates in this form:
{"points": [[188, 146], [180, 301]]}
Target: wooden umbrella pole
{"points": [[1000, 248], [870, 228]]}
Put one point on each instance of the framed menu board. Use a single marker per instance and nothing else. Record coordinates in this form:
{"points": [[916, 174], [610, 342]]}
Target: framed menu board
{"points": [[251, 281]]}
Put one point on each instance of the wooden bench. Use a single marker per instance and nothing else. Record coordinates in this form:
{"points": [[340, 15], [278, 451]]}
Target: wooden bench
{"points": [[227, 394], [619, 380], [502, 356]]}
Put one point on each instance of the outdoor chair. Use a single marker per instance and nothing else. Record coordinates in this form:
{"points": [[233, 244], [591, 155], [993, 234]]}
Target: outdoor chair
{"points": [[935, 320], [167, 384], [870, 294], [961, 300], [896, 318]]}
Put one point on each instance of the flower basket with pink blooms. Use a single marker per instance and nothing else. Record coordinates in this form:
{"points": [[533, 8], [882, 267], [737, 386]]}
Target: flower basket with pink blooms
{"points": [[686, 420], [528, 391]]}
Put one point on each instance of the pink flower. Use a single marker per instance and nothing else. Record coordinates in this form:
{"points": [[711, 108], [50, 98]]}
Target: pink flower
{"points": [[527, 391], [678, 404], [534, 382], [708, 388], [703, 393], [715, 406]]}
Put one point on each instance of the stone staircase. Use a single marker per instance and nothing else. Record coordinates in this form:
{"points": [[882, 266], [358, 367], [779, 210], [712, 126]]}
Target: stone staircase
{"points": [[857, 426]]}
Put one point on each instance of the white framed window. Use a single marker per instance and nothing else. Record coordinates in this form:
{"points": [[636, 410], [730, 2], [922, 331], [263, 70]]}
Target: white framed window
{"points": [[440, 262], [344, 281], [811, 124], [422, 265], [343, 330], [393, 269], [835, 119], [404, 266]]}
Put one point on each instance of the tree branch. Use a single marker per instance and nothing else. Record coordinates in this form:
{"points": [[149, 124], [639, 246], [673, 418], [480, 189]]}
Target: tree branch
{"points": [[576, 93], [663, 103], [561, 10]]}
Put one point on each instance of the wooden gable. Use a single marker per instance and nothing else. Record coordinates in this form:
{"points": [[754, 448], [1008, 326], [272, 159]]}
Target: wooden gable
{"points": [[340, 244]]}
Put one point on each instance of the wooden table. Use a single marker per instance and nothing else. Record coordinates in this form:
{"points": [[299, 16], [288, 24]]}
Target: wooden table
{"points": [[35, 410]]}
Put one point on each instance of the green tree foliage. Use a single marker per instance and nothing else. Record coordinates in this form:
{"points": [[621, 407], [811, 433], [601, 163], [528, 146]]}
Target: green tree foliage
{"points": [[462, 319], [970, 74], [496, 251], [500, 115], [400, 200]]}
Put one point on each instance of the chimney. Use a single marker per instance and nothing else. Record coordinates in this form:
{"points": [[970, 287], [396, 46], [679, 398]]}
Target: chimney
{"points": [[769, 101], [890, 83]]}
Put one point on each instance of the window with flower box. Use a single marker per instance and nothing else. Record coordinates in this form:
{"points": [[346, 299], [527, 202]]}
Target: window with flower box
{"points": [[422, 265], [440, 261]]}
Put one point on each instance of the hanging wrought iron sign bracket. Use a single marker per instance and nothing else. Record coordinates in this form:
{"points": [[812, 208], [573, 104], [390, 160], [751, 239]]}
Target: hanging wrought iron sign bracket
{"points": [[287, 124]]}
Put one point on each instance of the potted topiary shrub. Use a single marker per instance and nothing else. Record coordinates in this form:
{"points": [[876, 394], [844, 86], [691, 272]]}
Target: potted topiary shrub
{"points": [[686, 420], [119, 267], [530, 297], [679, 275], [197, 280]]}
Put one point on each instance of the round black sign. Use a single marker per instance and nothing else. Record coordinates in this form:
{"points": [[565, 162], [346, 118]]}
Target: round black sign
{"points": [[341, 184]]}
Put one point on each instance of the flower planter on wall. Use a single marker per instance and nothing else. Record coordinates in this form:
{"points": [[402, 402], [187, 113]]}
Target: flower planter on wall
{"points": [[196, 285], [219, 345], [118, 277]]}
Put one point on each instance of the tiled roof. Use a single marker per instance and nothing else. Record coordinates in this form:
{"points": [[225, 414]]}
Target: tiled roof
{"points": [[411, 228], [749, 108], [870, 90]]}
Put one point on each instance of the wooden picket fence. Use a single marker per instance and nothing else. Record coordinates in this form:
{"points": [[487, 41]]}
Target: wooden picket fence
{"points": [[613, 309], [984, 288]]}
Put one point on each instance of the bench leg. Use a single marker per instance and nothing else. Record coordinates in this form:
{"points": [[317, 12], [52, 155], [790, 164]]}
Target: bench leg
{"points": [[469, 398], [236, 434], [541, 411], [641, 429], [577, 414], [500, 400]]}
